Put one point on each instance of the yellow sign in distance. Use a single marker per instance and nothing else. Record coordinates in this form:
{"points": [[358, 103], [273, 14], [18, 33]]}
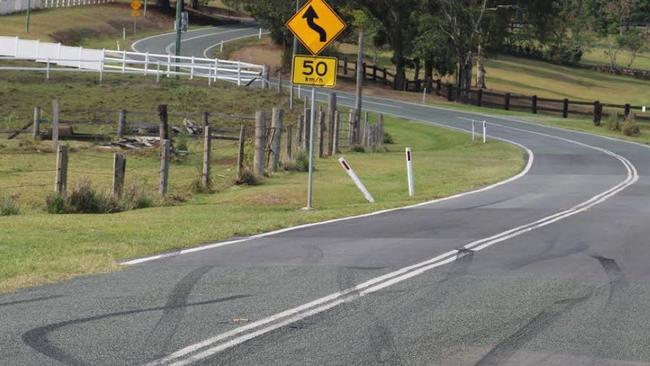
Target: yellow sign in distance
{"points": [[316, 25], [315, 71], [136, 5]]}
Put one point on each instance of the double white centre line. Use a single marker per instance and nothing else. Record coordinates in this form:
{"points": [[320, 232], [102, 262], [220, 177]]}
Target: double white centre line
{"points": [[221, 342]]}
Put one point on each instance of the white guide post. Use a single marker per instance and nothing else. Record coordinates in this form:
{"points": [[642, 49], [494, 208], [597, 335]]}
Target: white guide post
{"points": [[473, 130], [484, 132], [409, 171], [348, 169]]}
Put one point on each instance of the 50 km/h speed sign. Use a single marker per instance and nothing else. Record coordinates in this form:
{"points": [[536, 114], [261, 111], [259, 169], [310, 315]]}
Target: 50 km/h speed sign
{"points": [[315, 71]]}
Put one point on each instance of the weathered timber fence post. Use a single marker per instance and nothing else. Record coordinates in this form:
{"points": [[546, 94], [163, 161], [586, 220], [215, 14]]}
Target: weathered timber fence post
{"points": [[206, 119], [289, 151], [321, 134], [242, 151], [56, 109], [164, 123], [61, 181], [565, 108], [351, 127], [450, 92], [336, 133], [121, 124], [277, 124], [119, 171], [300, 131], [165, 151], [506, 102], [306, 129], [381, 130], [598, 113], [534, 104], [627, 110], [331, 123], [260, 143], [36, 126], [479, 98], [206, 181]]}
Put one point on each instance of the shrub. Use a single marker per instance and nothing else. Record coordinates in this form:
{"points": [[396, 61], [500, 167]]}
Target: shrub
{"points": [[630, 128], [301, 161], [388, 138], [83, 199], [358, 149], [55, 203], [181, 141], [247, 178], [134, 197], [197, 184], [9, 206], [613, 123]]}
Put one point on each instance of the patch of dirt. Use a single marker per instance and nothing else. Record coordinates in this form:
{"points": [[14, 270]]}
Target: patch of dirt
{"points": [[268, 200], [266, 53]]}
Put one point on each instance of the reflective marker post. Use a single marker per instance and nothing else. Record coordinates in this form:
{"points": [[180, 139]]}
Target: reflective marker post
{"points": [[310, 178], [356, 180], [409, 171]]}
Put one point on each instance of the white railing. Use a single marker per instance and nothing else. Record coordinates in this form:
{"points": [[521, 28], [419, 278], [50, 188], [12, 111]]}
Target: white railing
{"points": [[15, 6], [59, 58]]}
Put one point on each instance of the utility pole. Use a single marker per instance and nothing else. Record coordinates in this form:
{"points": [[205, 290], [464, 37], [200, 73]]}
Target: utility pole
{"points": [[295, 51], [179, 10], [29, 11], [359, 94]]}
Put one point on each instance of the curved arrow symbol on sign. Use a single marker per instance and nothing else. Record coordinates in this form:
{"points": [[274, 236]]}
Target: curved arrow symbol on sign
{"points": [[310, 15]]}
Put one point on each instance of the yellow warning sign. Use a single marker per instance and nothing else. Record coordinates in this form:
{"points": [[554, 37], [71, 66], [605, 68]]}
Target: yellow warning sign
{"points": [[136, 5], [316, 25], [315, 71]]}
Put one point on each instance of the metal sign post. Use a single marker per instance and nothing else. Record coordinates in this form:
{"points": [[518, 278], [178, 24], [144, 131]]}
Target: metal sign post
{"points": [[310, 178], [316, 25]]}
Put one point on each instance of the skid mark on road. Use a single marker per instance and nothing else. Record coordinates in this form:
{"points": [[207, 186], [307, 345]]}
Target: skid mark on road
{"points": [[503, 351], [547, 253], [162, 334], [36, 299], [37, 338]]}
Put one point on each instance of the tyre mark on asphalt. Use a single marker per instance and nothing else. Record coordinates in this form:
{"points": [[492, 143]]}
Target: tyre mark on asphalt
{"points": [[547, 254], [43, 298], [505, 349], [37, 338], [609, 317], [165, 329]]}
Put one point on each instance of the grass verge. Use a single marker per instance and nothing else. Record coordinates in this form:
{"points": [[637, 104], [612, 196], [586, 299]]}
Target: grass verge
{"points": [[40, 248]]}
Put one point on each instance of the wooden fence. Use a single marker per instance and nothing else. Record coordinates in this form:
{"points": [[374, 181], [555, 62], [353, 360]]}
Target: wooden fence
{"points": [[502, 100], [274, 140]]}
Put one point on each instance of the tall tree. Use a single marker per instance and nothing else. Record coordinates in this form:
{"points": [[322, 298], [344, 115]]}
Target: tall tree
{"points": [[461, 21], [398, 20]]}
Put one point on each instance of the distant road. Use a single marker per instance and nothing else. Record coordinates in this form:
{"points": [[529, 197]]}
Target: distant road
{"points": [[548, 268]]}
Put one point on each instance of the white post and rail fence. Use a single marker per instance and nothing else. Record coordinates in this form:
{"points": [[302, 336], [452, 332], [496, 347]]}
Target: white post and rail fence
{"points": [[54, 57]]}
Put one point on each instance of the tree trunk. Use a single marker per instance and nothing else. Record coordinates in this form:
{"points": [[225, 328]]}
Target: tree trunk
{"points": [[195, 4], [480, 70]]}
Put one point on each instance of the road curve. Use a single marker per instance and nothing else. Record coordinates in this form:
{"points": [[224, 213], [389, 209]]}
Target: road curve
{"points": [[547, 268]]}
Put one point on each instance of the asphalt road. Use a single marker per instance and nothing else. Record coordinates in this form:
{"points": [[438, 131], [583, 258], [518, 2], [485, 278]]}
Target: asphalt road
{"points": [[547, 268]]}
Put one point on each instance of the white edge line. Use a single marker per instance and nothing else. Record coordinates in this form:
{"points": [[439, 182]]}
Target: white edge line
{"points": [[169, 46], [529, 164], [381, 282], [407, 272]]}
